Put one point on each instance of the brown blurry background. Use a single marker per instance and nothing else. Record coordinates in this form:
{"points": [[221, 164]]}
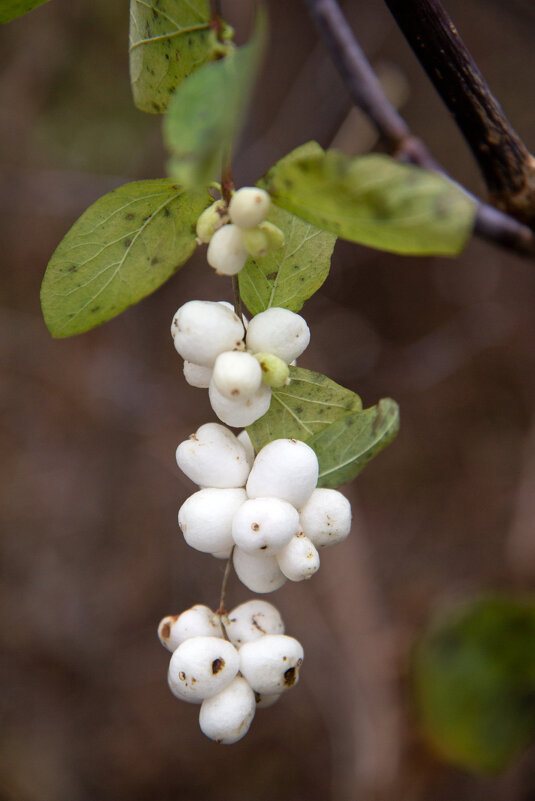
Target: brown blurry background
{"points": [[92, 556]]}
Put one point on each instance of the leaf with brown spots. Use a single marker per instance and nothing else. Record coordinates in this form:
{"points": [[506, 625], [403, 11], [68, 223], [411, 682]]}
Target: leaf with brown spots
{"points": [[169, 39], [288, 276], [121, 249]]}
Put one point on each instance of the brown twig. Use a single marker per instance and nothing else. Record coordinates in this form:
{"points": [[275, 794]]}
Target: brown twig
{"points": [[506, 164], [367, 93]]}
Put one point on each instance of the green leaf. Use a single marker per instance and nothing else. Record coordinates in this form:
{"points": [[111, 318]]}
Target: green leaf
{"points": [[169, 39], [288, 276], [474, 683], [375, 201], [308, 404], [206, 112], [120, 250], [345, 447], [11, 9]]}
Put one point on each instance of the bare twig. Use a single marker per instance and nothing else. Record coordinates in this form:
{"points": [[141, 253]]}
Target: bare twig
{"points": [[367, 92], [507, 166]]}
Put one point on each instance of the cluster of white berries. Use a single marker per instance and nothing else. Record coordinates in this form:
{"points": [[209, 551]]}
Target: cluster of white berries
{"points": [[266, 510], [231, 664], [240, 230], [238, 361], [239, 369]]}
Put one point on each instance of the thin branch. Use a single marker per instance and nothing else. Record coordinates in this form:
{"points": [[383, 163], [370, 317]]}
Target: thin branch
{"points": [[506, 164], [367, 93]]}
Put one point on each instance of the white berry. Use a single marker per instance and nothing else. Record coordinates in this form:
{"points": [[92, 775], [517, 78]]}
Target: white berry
{"points": [[237, 375], [264, 700], [197, 375], [201, 330], [299, 560], [286, 469], [205, 518], [326, 517], [199, 621], [264, 524], [240, 412], [213, 457], [251, 620], [271, 663], [249, 206], [278, 331], [226, 717], [201, 667], [226, 253], [258, 573]]}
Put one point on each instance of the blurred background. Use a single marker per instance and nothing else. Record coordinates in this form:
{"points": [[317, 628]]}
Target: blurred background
{"points": [[89, 489]]}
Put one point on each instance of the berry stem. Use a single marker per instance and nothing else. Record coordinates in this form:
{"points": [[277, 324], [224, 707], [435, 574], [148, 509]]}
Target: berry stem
{"points": [[237, 296], [222, 610]]}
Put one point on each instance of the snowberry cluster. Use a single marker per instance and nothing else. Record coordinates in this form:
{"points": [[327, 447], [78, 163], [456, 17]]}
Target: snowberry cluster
{"points": [[240, 230], [266, 510], [239, 368], [231, 664]]}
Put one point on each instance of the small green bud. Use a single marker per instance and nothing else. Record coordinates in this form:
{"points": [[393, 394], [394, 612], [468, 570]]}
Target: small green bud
{"points": [[275, 372], [212, 218], [262, 239]]}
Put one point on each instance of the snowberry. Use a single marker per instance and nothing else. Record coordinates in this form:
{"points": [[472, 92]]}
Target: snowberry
{"points": [[211, 220], [213, 457], [264, 524], [222, 554], [278, 331], [258, 573], [286, 469], [205, 518], [226, 717], [326, 517], [251, 620], [249, 206], [299, 560], [199, 621], [196, 375], [226, 253], [201, 330], [237, 375], [239, 412], [245, 440], [201, 667], [271, 663], [275, 372]]}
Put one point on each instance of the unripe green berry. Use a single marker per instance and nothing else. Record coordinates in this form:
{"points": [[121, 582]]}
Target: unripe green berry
{"points": [[255, 242], [275, 372], [212, 218], [262, 239]]}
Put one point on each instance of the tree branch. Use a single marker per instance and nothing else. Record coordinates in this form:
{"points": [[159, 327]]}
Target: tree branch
{"points": [[507, 166], [367, 93]]}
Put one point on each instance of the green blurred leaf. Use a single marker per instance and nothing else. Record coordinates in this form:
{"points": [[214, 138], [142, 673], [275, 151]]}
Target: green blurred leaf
{"points": [[120, 250], [206, 112], [375, 201], [288, 276], [11, 9], [308, 404], [169, 39], [474, 683], [345, 447]]}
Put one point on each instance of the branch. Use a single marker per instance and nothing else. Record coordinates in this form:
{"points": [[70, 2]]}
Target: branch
{"points": [[507, 166], [367, 93]]}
